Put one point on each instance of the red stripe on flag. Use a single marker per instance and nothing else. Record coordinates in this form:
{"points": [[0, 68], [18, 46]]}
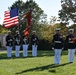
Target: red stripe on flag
{"points": [[9, 22]]}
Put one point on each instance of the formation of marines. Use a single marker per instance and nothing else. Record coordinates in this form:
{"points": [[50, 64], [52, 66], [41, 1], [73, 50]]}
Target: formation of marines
{"points": [[57, 44], [25, 43]]}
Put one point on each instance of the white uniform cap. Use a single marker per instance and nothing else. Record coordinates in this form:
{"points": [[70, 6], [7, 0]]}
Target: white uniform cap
{"points": [[9, 31], [34, 31], [72, 30], [58, 29], [17, 31]]}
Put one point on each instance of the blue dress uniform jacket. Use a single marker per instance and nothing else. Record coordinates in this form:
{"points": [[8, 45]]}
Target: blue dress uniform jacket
{"points": [[71, 44], [17, 39], [34, 40], [25, 40], [9, 40], [57, 41]]}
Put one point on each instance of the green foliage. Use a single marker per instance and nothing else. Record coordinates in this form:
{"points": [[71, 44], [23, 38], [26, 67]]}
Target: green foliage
{"points": [[46, 32], [68, 11], [3, 30], [53, 20], [74, 27], [64, 29]]}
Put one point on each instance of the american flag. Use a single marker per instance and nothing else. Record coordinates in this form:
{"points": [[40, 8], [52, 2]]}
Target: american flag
{"points": [[11, 18]]}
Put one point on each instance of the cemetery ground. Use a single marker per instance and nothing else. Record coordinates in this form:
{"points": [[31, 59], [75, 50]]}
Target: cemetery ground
{"points": [[43, 64]]}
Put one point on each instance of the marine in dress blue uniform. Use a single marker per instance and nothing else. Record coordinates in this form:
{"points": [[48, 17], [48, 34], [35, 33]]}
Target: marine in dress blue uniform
{"points": [[71, 45], [57, 46], [34, 40], [9, 44], [25, 45], [17, 38]]}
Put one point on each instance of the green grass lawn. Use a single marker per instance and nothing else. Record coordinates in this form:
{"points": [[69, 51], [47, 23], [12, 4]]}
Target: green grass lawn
{"points": [[40, 65]]}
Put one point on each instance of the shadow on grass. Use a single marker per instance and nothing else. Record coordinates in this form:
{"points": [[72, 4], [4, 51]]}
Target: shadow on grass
{"points": [[3, 55], [43, 68]]}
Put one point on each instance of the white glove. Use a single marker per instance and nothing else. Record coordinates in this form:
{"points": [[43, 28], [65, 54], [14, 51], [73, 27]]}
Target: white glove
{"points": [[62, 48], [10, 39], [52, 48]]}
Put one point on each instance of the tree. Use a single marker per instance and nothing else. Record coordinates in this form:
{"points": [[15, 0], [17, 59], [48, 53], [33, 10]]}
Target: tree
{"points": [[24, 7], [68, 11], [53, 20], [3, 30], [73, 27], [43, 19]]}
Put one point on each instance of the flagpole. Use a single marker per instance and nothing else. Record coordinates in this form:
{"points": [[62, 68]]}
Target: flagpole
{"points": [[28, 16], [30, 23], [18, 19]]}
